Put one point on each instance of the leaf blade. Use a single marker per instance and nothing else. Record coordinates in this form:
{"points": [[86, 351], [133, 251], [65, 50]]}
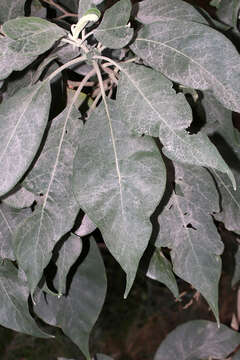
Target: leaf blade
{"points": [[110, 191]]}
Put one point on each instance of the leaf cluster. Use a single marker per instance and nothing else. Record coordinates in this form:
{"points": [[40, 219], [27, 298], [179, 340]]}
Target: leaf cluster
{"points": [[98, 130]]}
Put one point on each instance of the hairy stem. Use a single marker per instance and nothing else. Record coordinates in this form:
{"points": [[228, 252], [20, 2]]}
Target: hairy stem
{"points": [[65, 66]]}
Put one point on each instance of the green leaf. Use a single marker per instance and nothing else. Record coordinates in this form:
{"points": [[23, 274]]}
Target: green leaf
{"points": [[218, 119], [194, 149], [144, 91], [18, 61], [68, 254], [20, 198], [51, 176], [228, 12], [150, 11], [118, 180], [160, 269], [113, 31], [198, 339], [83, 6], [10, 9], [9, 220], [230, 202], [194, 55], [23, 119], [186, 227], [33, 36], [14, 302], [77, 312]]}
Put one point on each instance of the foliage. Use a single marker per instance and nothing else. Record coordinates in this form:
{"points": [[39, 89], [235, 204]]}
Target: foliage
{"points": [[97, 131]]}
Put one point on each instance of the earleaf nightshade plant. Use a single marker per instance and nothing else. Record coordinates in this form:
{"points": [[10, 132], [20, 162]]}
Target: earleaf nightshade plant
{"points": [[97, 131]]}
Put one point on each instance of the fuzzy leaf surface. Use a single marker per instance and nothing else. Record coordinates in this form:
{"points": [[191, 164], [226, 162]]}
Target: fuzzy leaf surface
{"points": [[118, 180], [33, 36], [14, 313], [236, 274], [143, 91], [230, 202], [194, 55], [67, 256], [113, 31], [186, 227], [23, 119], [10, 9], [51, 176], [150, 11], [9, 220], [18, 61], [198, 339], [19, 199], [77, 312], [160, 269]]}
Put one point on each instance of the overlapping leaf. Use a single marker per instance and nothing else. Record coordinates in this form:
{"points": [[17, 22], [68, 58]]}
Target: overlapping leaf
{"points": [[18, 61], [86, 227], [151, 107], [192, 54], [186, 226], [113, 31], [11, 9], [118, 180], [218, 119], [9, 220], [68, 254], [230, 202], [160, 269], [23, 119], [32, 36], [198, 339], [77, 312], [20, 198], [51, 176], [14, 313]]}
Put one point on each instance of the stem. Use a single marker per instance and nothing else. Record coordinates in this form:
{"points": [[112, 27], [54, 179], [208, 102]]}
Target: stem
{"points": [[59, 7], [69, 63], [81, 86], [94, 104]]}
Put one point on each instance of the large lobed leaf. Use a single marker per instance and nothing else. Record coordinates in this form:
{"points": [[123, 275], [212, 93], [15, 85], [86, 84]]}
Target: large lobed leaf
{"points": [[23, 119], [51, 177], [198, 339], [113, 31], [118, 180], [186, 227], [9, 220], [151, 107], [77, 312], [14, 313], [190, 53]]}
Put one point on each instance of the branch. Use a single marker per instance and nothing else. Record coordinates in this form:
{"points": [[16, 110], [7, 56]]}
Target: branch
{"points": [[60, 8]]}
